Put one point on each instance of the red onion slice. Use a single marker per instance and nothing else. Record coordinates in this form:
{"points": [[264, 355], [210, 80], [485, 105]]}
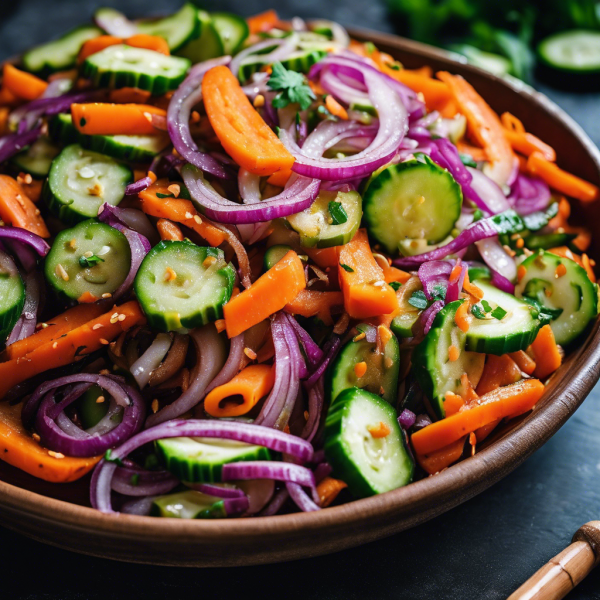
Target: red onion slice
{"points": [[529, 194], [15, 142], [133, 189], [428, 315], [489, 191], [330, 351], [312, 350], [316, 401], [132, 480], [300, 498], [407, 419], [496, 257], [233, 364], [115, 23], [265, 469], [142, 368], [25, 326]]}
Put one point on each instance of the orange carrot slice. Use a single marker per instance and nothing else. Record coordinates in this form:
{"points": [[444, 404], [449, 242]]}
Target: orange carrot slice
{"points": [[21, 84], [312, 303], [99, 118], [18, 210], [547, 355]]}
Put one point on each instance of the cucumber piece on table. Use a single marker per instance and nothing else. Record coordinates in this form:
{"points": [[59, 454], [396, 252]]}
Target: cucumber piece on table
{"points": [[274, 254], [90, 257], [80, 181], [576, 51], [12, 295], [559, 283], [381, 376], [232, 30], [201, 460], [331, 220], [434, 370], [177, 29], [135, 148], [36, 160], [181, 286], [208, 45], [368, 464], [415, 199], [61, 54], [188, 505], [124, 66], [510, 328]]}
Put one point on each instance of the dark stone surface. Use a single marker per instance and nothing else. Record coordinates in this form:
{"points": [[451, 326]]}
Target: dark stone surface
{"points": [[481, 550]]}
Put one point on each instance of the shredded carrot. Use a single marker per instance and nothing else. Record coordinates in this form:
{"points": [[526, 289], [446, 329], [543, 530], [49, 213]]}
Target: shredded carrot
{"points": [[524, 142], [546, 353], [523, 361], [380, 430], [324, 257], [21, 84], [87, 298], [169, 230], [335, 108], [437, 94], [241, 130], [521, 272], [582, 261], [360, 369], [462, 318], [312, 303], [362, 281], [18, 210], [560, 180], [472, 289], [391, 273], [453, 354], [509, 401], [251, 384], [100, 118], [7, 98], [452, 403], [498, 371], [437, 461], [263, 21], [268, 294], [477, 154], [329, 489]]}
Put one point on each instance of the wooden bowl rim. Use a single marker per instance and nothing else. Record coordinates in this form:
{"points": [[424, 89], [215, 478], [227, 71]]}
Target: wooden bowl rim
{"points": [[562, 401]]}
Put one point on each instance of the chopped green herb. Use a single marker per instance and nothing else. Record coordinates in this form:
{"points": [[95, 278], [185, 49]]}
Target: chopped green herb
{"points": [[347, 268], [87, 262], [337, 212], [393, 65], [370, 47], [108, 457], [477, 312], [477, 215], [159, 195], [292, 87], [499, 313], [418, 300], [486, 306], [467, 160], [135, 479], [395, 285], [439, 291]]}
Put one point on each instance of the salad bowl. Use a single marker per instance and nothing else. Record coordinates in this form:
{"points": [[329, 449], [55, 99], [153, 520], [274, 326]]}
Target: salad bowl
{"points": [[61, 516]]}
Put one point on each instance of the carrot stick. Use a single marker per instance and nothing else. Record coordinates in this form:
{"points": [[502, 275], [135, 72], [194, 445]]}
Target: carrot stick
{"points": [[477, 154], [545, 350], [97, 44], [560, 180], [169, 230], [280, 178], [268, 294], [129, 95], [498, 371], [69, 348], [252, 384], [509, 401], [484, 126], [329, 489], [99, 118], [263, 21], [362, 280], [20, 450], [324, 257], [527, 144], [335, 108], [240, 129], [390, 273], [311, 303], [18, 210], [437, 94], [149, 42], [178, 210], [31, 187], [452, 403], [436, 461], [523, 361], [21, 84]]}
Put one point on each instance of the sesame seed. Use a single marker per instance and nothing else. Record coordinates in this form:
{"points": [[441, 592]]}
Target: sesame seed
{"points": [[37, 211], [88, 254], [360, 336], [259, 101], [122, 317], [103, 341], [175, 189], [189, 215], [60, 271], [100, 399], [520, 243], [208, 261], [170, 274], [56, 454], [114, 319], [306, 415], [55, 345], [198, 219], [36, 437], [250, 353], [155, 405], [195, 116], [421, 199], [107, 295], [73, 243], [97, 326], [104, 372]]}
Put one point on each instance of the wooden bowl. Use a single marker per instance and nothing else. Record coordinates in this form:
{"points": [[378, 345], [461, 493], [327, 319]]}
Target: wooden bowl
{"points": [[57, 515]]}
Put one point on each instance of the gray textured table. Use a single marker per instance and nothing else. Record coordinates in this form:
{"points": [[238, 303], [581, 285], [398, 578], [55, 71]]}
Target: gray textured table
{"points": [[481, 550]]}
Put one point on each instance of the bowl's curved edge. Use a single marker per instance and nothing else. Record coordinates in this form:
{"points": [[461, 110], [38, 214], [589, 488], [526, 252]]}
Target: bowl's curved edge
{"points": [[287, 537]]}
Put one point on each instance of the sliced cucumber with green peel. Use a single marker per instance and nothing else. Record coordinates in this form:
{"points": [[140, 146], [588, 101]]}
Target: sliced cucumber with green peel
{"points": [[572, 292], [178, 29], [90, 257], [494, 63], [201, 460], [274, 254], [368, 464], [479, 273], [37, 159], [434, 370], [232, 29], [300, 61], [545, 241], [89, 411], [61, 54], [576, 51], [512, 329], [12, 295], [415, 199], [135, 148], [402, 324], [124, 66], [331, 220], [381, 376], [208, 45], [539, 219], [80, 181], [188, 505], [181, 286]]}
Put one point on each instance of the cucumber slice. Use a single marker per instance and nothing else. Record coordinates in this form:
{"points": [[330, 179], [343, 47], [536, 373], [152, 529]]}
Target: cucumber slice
{"points": [[573, 293], [411, 200], [274, 254], [381, 376], [12, 295], [181, 286], [479, 273], [300, 61], [201, 460], [89, 411], [576, 51], [135, 148], [548, 240], [433, 369], [539, 219], [178, 29], [331, 220], [369, 465], [80, 181], [188, 505], [494, 63], [124, 66], [403, 323], [208, 45], [232, 30], [61, 54], [90, 257], [515, 331], [36, 160]]}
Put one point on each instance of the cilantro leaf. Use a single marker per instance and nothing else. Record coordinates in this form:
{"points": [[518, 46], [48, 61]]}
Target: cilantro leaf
{"points": [[292, 87], [439, 291], [109, 458], [347, 268], [486, 306], [395, 285], [337, 212], [159, 195], [477, 312], [89, 261], [499, 313], [418, 300]]}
